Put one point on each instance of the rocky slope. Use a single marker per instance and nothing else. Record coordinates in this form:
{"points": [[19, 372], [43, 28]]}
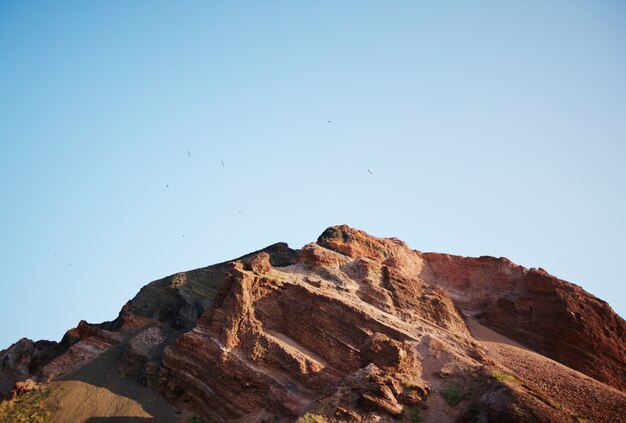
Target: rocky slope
{"points": [[349, 328]]}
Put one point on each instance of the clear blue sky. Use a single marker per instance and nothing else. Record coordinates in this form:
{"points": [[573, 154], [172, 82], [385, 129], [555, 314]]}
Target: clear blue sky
{"points": [[491, 128]]}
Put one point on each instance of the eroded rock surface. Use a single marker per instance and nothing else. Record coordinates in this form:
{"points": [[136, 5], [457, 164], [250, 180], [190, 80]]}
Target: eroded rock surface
{"points": [[350, 328], [556, 318]]}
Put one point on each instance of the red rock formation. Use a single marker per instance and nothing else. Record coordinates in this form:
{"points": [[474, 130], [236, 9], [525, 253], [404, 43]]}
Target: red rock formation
{"points": [[556, 318], [274, 344], [354, 328], [84, 343]]}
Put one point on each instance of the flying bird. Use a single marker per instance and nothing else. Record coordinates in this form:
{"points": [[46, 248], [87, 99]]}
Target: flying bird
{"points": [[189, 153], [371, 173], [222, 162]]}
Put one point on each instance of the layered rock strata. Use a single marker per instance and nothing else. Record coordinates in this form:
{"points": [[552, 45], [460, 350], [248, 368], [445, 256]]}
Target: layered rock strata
{"points": [[352, 328]]}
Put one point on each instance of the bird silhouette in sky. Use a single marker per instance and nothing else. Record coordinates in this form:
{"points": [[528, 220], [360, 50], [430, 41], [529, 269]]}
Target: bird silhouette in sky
{"points": [[222, 163], [189, 153], [371, 173]]}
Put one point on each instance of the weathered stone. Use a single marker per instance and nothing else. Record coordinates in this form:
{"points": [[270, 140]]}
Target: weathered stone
{"points": [[349, 328]]}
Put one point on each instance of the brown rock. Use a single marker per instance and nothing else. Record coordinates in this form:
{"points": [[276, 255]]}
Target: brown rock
{"points": [[259, 263], [554, 317], [23, 360], [389, 354], [23, 387], [352, 328]]}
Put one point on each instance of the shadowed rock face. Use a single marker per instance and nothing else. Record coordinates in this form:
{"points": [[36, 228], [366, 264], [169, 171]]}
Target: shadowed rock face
{"points": [[351, 328], [22, 359]]}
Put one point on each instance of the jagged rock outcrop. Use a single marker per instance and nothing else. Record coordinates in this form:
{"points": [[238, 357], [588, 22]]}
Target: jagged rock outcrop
{"points": [[43, 361], [21, 360], [353, 328], [273, 343]]}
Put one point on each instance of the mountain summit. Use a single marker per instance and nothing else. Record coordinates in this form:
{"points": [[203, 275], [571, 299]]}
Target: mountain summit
{"points": [[348, 328]]}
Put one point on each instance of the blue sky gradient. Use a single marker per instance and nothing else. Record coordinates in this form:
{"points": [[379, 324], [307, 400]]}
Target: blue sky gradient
{"points": [[491, 129]]}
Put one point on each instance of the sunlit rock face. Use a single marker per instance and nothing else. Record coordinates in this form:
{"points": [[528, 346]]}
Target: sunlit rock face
{"points": [[351, 328], [556, 318]]}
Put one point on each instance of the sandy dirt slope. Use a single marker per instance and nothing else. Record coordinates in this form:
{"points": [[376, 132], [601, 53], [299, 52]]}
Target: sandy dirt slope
{"points": [[96, 393], [575, 392]]}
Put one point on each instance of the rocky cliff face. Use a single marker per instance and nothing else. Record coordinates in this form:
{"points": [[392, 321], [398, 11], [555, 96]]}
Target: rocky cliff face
{"points": [[556, 318], [354, 328]]}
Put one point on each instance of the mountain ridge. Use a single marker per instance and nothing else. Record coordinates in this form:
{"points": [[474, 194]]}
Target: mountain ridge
{"points": [[350, 327]]}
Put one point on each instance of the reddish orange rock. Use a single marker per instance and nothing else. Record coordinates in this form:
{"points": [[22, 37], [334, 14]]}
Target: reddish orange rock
{"points": [[351, 328]]}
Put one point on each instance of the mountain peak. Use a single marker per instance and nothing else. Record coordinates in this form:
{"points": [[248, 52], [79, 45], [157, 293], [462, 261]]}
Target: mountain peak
{"points": [[356, 243], [350, 327]]}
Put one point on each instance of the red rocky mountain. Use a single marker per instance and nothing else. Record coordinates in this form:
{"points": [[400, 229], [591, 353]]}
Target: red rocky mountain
{"points": [[348, 328]]}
